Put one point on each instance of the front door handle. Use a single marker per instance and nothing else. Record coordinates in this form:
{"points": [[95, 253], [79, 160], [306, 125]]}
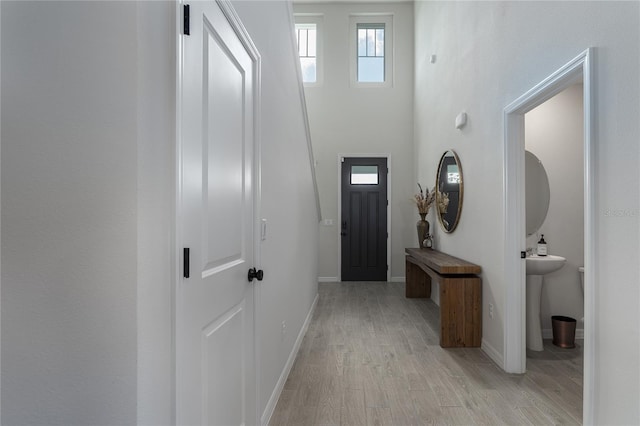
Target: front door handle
{"points": [[259, 274]]}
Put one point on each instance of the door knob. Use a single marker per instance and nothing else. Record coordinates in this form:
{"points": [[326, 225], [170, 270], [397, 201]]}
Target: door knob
{"points": [[259, 274]]}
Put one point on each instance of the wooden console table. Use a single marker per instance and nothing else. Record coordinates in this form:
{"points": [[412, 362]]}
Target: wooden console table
{"points": [[460, 294]]}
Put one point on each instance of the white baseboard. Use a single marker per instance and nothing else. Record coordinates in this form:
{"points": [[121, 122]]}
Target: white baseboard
{"points": [[336, 280], [547, 333], [275, 395], [496, 356]]}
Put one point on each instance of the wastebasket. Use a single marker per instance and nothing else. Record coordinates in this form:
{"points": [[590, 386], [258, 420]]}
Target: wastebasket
{"points": [[564, 331]]}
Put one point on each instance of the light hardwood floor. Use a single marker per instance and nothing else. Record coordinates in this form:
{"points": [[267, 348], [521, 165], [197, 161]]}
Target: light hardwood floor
{"points": [[371, 357]]}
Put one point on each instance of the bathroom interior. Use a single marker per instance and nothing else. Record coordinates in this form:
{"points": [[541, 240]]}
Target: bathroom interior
{"points": [[554, 153]]}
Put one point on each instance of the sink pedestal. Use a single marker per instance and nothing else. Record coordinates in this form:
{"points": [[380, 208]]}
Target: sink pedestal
{"points": [[534, 329], [537, 267]]}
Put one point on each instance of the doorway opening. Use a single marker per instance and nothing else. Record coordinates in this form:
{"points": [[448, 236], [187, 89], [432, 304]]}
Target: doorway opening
{"points": [[554, 180], [364, 236], [578, 70]]}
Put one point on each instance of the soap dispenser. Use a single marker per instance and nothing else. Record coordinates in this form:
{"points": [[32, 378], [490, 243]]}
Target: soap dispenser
{"points": [[542, 246]]}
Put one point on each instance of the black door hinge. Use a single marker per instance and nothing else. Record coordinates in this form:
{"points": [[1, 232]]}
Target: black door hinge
{"points": [[185, 260], [185, 20]]}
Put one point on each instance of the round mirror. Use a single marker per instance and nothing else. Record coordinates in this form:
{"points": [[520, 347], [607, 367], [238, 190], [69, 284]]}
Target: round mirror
{"points": [[450, 188], [537, 192]]}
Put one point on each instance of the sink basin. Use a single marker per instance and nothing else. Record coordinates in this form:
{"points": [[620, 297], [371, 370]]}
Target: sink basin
{"points": [[541, 265]]}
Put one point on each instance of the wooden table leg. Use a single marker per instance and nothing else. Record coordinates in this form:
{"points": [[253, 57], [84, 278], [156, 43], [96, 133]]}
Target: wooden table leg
{"points": [[418, 283], [460, 312]]}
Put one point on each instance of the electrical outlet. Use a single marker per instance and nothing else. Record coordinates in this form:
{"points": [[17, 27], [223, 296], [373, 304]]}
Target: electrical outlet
{"points": [[490, 310]]}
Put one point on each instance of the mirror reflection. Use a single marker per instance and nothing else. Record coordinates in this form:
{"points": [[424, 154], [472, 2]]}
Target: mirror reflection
{"points": [[450, 190], [537, 192]]}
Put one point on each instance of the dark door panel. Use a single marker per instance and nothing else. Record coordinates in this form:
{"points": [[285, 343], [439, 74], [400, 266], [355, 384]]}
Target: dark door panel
{"points": [[364, 219]]}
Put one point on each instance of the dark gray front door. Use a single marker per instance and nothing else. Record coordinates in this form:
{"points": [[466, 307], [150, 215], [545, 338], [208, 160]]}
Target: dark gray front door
{"points": [[364, 219]]}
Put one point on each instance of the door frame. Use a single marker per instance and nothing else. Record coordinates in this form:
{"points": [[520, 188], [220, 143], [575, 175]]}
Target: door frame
{"points": [[339, 215], [243, 35], [578, 69]]}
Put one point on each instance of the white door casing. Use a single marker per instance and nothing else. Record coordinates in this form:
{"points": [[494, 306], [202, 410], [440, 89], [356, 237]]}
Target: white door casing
{"points": [[215, 340], [514, 360]]}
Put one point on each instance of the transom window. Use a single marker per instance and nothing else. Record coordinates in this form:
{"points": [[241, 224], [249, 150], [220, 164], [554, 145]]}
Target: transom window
{"points": [[306, 35], [371, 48]]}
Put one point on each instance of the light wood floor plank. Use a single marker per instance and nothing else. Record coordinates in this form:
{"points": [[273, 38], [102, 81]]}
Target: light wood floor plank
{"points": [[375, 393], [428, 411], [535, 416], [372, 357], [283, 408], [457, 416], [400, 402], [444, 390], [330, 403], [353, 411], [379, 416], [301, 416]]}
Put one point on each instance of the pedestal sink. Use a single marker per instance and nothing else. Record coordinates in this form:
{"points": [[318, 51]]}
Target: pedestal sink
{"points": [[537, 267]]}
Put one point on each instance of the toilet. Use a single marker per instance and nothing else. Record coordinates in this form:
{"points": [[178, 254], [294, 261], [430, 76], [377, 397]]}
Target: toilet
{"points": [[581, 270]]}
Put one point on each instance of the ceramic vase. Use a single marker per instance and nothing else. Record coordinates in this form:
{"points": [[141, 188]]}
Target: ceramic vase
{"points": [[423, 229]]}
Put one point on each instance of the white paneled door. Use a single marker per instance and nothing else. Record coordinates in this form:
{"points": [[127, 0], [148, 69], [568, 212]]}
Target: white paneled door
{"points": [[215, 358]]}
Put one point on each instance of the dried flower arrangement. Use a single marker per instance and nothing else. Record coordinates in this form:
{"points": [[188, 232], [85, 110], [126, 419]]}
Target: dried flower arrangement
{"points": [[424, 203]]}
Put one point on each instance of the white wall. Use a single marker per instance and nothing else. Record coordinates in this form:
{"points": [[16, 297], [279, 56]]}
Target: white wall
{"points": [[156, 60], [0, 220], [554, 133], [490, 53], [88, 172], [290, 252], [352, 120], [69, 217]]}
